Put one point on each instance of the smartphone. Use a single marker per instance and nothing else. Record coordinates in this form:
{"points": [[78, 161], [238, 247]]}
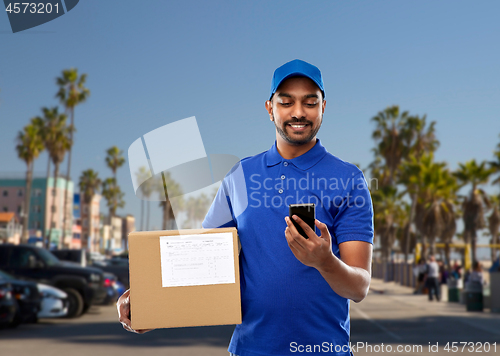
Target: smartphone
{"points": [[306, 212]]}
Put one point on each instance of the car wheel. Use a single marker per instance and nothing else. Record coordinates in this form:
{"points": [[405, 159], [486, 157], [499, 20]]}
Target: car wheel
{"points": [[75, 303], [86, 308], [16, 321]]}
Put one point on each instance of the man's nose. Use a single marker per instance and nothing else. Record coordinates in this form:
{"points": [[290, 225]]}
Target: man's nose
{"points": [[298, 112]]}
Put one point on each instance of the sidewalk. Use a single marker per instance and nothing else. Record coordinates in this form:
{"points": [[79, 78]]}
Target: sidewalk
{"points": [[393, 316], [378, 286]]}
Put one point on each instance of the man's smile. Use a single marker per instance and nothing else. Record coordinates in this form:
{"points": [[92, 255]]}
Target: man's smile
{"points": [[298, 126]]}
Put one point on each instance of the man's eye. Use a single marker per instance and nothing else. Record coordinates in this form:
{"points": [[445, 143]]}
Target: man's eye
{"points": [[286, 104], [309, 105]]}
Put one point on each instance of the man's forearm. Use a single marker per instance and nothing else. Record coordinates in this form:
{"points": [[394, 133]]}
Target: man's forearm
{"points": [[347, 281]]}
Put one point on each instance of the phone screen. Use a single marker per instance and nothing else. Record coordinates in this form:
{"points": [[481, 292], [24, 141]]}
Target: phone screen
{"points": [[304, 211]]}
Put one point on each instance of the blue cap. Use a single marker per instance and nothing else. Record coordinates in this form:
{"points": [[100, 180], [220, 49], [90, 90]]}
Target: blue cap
{"points": [[296, 68]]}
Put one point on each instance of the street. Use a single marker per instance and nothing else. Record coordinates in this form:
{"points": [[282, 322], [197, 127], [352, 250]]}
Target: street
{"points": [[394, 316], [389, 317]]}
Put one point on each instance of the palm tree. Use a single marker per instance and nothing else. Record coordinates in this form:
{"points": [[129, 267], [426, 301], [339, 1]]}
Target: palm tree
{"points": [[29, 145], [113, 195], [89, 185], [434, 187], [448, 232], [475, 202], [439, 222], [495, 165], [438, 196], [146, 189], [72, 92], [494, 224], [389, 139], [114, 159], [409, 177], [418, 138], [389, 213], [57, 140], [168, 187], [111, 190], [494, 219], [196, 209], [44, 124]]}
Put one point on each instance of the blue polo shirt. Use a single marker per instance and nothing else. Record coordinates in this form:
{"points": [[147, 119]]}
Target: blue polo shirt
{"points": [[287, 307]]}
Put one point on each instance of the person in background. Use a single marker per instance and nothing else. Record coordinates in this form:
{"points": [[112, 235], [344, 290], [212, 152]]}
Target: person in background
{"points": [[443, 273], [476, 276], [420, 270], [432, 279], [457, 271], [495, 267]]}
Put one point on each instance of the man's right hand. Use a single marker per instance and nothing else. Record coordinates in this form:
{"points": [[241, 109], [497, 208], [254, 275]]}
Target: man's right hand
{"points": [[123, 307]]}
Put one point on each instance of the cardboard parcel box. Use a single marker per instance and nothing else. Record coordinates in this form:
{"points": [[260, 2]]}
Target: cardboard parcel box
{"points": [[184, 278]]}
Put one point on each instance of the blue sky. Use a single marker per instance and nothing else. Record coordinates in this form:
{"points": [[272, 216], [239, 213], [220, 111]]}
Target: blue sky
{"points": [[150, 63]]}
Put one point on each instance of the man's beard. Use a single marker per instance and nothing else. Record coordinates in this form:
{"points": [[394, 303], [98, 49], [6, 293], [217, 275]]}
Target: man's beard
{"points": [[300, 141]]}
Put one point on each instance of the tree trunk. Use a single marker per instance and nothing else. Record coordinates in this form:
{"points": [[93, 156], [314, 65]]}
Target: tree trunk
{"points": [[111, 214], [494, 241], [447, 253], [54, 196], [85, 237], [142, 215], [473, 244], [432, 246], [166, 215], [68, 175], [147, 215], [410, 223], [424, 247], [44, 229], [27, 196]]}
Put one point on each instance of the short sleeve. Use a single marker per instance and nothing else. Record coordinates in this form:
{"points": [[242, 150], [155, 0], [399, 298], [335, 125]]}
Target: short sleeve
{"points": [[230, 202], [354, 218], [220, 213]]}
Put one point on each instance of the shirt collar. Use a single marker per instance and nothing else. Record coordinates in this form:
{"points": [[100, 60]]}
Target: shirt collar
{"points": [[304, 161]]}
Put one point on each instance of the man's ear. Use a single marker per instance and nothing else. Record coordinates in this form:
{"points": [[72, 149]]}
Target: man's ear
{"points": [[269, 108], [324, 104]]}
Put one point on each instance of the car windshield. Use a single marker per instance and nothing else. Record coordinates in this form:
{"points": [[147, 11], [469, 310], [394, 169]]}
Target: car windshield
{"points": [[48, 258], [5, 276]]}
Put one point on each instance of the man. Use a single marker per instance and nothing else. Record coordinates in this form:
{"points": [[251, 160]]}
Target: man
{"points": [[295, 291], [432, 279]]}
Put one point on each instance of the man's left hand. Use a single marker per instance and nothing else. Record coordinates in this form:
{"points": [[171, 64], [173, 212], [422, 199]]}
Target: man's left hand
{"points": [[316, 251]]}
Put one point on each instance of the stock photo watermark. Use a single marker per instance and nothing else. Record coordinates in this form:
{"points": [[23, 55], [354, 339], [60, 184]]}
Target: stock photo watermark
{"points": [[262, 191], [24, 15], [451, 347]]}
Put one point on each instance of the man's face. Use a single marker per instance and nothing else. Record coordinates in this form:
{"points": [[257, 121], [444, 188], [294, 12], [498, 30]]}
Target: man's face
{"points": [[297, 109]]}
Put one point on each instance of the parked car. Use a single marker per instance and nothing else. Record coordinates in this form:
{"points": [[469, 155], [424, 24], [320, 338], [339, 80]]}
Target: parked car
{"points": [[54, 302], [84, 286], [117, 265], [76, 256], [114, 288], [8, 305], [27, 296]]}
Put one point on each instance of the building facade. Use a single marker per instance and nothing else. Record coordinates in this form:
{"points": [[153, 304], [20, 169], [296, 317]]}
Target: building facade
{"points": [[10, 228], [46, 206], [90, 224], [128, 225]]}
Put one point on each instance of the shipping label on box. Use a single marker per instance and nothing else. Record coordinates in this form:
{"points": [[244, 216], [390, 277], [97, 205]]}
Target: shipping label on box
{"points": [[184, 278]]}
